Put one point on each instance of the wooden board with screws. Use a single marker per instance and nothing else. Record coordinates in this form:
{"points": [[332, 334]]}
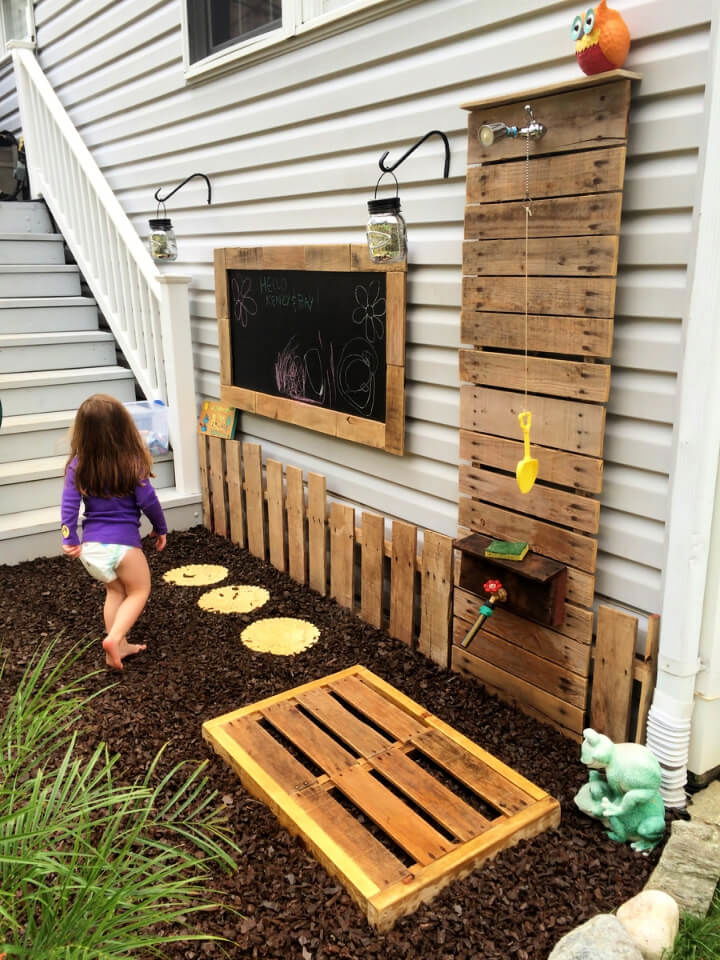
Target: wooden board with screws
{"points": [[390, 799], [566, 200]]}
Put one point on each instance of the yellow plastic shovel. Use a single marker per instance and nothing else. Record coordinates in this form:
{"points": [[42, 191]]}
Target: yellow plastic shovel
{"points": [[527, 468]]}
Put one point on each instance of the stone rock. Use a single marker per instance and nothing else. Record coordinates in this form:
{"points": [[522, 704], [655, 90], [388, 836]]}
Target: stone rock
{"points": [[705, 805], [652, 919], [689, 867], [602, 938]]}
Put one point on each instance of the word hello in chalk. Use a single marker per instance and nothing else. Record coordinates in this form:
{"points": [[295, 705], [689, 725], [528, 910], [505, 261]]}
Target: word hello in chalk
{"points": [[279, 294]]}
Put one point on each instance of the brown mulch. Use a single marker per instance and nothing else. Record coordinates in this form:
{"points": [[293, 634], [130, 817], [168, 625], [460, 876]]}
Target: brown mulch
{"points": [[517, 905]]}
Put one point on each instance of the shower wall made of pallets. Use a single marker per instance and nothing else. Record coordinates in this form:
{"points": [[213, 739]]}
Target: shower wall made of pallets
{"points": [[576, 175]]}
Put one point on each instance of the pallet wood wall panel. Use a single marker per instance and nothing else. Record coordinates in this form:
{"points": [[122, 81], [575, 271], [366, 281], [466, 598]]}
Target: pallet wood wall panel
{"points": [[613, 674], [555, 364]]}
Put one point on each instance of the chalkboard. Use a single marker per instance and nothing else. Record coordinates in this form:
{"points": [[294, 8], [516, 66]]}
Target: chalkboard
{"points": [[311, 335], [314, 336]]}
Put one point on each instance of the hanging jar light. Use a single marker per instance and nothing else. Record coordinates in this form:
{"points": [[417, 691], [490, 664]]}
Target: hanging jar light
{"points": [[386, 230], [163, 245]]}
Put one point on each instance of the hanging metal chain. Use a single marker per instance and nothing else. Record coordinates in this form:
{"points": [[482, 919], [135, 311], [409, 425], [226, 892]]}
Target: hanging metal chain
{"points": [[528, 214]]}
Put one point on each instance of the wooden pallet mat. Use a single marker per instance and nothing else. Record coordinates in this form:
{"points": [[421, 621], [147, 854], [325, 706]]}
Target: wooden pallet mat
{"points": [[375, 811]]}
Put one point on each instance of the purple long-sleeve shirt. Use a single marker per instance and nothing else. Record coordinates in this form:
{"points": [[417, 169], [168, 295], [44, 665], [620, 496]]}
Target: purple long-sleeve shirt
{"points": [[109, 519]]}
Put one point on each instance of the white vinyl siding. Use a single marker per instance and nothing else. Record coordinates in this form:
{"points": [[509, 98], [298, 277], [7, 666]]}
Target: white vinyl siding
{"points": [[9, 116], [291, 145]]}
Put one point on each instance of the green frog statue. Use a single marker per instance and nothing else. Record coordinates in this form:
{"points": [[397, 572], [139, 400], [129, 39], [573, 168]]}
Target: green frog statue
{"points": [[623, 790]]}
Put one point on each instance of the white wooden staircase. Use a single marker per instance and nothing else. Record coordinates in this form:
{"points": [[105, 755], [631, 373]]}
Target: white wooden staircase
{"points": [[53, 354]]}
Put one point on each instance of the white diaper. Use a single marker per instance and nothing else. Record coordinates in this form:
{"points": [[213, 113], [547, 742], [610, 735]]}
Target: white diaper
{"points": [[101, 559]]}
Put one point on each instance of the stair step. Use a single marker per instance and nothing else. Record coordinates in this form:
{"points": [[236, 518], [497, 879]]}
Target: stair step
{"points": [[49, 390], [30, 484], [35, 435], [36, 533], [21, 352], [26, 216], [45, 314], [27, 248], [37, 280]]}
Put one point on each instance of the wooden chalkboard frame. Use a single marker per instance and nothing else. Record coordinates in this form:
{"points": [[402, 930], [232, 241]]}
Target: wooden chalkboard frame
{"points": [[388, 435]]}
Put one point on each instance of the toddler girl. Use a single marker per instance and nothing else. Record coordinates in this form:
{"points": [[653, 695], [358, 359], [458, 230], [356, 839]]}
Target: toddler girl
{"points": [[109, 469]]}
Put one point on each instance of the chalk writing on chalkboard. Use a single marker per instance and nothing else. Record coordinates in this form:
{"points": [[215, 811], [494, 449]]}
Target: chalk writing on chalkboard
{"points": [[318, 337]]}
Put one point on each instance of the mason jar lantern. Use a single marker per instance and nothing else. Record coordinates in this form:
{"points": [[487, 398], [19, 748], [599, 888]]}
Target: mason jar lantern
{"points": [[386, 230], [163, 245]]}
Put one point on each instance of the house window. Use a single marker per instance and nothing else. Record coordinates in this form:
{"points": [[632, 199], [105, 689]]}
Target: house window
{"points": [[219, 31]]}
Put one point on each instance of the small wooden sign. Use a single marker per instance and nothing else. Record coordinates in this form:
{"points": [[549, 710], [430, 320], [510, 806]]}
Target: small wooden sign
{"points": [[217, 420], [314, 336]]}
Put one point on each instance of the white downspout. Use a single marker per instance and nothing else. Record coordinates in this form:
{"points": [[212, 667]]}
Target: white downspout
{"points": [[694, 475]]}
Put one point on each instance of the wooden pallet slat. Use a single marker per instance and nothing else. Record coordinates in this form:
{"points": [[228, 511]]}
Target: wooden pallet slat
{"points": [[425, 790], [436, 579], [569, 509], [233, 464], [387, 714], [560, 468], [414, 809], [308, 737], [342, 554], [647, 683], [358, 735], [546, 375], [276, 513], [204, 480], [613, 673], [565, 546], [581, 336], [295, 506], [317, 536], [591, 117], [555, 175], [572, 297], [563, 257], [402, 581], [559, 217], [562, 424], [254, 499], [372, 558], [216, 457], [534, 637], [474, 773]]}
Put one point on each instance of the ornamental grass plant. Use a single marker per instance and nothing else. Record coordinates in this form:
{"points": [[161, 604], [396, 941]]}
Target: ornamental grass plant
{"points": [[699, 937], [91, 868]]}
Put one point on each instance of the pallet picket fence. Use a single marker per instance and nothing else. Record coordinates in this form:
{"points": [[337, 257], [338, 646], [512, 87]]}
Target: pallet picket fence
{"points": [[402, 584]]}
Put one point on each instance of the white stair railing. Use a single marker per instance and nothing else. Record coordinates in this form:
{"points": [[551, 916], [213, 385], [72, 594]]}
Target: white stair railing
{"points": [[147, 311]]}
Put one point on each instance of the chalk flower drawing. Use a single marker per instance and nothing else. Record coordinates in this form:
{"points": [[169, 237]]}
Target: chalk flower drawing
{"points": [[370, 311], [244, 306]]}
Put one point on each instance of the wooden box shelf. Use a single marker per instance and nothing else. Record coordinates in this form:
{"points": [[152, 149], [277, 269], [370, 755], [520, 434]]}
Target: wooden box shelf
{"points": [[536, 586], [390, 799]]}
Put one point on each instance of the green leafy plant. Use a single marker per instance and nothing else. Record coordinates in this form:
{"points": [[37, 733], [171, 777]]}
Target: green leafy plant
{"points": [[699, 937], [91, 869]]}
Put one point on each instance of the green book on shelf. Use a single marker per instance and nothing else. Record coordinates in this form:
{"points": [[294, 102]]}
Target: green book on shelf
{"points": [[506, 550]]}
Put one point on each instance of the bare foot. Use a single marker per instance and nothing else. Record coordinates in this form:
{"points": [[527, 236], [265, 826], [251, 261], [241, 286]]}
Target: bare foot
{"points": [[117, 650]]}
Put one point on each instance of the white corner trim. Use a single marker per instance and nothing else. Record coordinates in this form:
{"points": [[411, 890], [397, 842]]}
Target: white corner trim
{"points": [[697, 424]]}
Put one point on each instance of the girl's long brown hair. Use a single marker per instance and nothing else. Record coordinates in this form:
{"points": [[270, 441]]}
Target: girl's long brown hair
{"points": [[111, 456]]}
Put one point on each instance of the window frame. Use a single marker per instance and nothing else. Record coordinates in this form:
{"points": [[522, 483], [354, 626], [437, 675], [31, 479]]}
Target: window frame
{"points": [[293, 33]]}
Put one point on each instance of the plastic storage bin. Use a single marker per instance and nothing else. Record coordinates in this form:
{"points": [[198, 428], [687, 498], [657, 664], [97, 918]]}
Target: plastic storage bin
{"points": [[151, 419]]}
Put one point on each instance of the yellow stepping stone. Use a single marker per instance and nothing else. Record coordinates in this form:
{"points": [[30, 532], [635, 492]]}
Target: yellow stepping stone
{"points": [[196, 575], [281, 636], [240, 599]]}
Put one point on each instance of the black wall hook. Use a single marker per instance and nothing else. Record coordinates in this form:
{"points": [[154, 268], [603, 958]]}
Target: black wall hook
{"points": [[439, 133], [163, 199]]}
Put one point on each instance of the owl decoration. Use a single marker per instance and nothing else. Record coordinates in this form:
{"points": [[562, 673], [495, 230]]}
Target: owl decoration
{"points": [[602, 39]]}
